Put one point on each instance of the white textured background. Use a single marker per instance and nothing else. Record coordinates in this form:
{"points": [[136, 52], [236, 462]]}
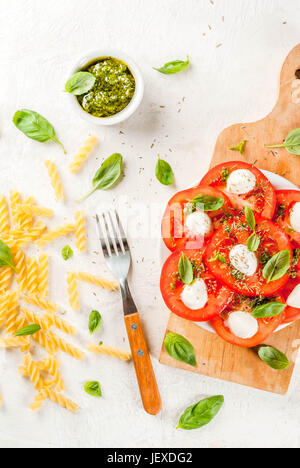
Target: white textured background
{"points": [[236, 81]]}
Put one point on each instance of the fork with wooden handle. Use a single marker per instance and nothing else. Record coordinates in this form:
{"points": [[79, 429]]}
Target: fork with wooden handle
{"points": [[117, 256]]}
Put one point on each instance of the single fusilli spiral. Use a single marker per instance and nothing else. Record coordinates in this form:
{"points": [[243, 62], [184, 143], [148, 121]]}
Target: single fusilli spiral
{"points": [[25, 219], [46, 342], [15, 200], [6, 274], [51, 365], [80, 232], [4, 304], [66, 347], [40, 302], [55, 180], [97, 281], [50, 236], [109, 351], [38, 402], [34, 210], [13, 342], [83, 153], [4, 215], [32, 276], [43, 275], [42, 320], [60, 399], [61, 324], [20, 264], [72, 291], [33, 371]]}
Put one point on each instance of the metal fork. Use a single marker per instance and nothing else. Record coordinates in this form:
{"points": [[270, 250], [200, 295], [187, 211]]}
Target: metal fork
{"points": [[117, 256]]}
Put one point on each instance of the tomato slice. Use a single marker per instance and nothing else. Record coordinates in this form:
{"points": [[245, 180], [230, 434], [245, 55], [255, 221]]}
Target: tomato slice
{"points": [[172, 287], [262, 199], [234, 232], [175, 233], [286, 199], [266, 326]]}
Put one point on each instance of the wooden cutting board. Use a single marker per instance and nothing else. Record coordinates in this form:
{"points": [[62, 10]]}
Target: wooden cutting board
{"points": [[215, 357]]}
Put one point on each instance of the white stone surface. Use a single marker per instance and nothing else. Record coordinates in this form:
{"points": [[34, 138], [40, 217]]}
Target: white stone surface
{"points": [[234, 82]]}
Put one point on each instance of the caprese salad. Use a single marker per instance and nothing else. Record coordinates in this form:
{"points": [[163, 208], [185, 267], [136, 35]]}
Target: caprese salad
{"points": [[235, 254]]}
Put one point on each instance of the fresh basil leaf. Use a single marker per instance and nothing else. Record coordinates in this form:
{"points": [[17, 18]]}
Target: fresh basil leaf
{"points": [[80, 83], [270, 309], [208, 202], [108, 174], [277, 266], [201, 413], [164, 172], [218, 257], [67, 252], [250, 218], [34, 126], [176, 66], [6, 257], [273, 357], [180, 349], [240, 147], [253, 242], [29, 330], [291, 143], [93, 389], [94, 321], [185, 270]]}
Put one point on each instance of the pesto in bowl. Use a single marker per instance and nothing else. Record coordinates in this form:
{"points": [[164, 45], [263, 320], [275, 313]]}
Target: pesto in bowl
{"points": [[113, 90]]}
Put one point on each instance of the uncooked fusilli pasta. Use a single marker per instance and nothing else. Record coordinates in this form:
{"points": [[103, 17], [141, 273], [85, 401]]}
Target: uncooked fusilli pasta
{"points": [[32, 276], [34, 210], [83, 153], [55, 180], [72, 291], [41, 303], [109, 351], [4, 215], [33, 371], [50, 236], [59, 399], [80, 232], [97, 281], [43, 275]]}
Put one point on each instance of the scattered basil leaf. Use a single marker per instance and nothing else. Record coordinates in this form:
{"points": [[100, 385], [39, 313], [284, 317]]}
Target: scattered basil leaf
{"points": [[108, 174], [185, 270], [273, 357], [296, 255], [240, 147], [164, 172], [100, 343], [29, 330], [253, 242], [67, 252], [225, 174], [218, 257], [208, 202], [6, 256], [94, 321], [93, 389], [176, 66], [270, 309], [277, 266], [34, 126], [80, 83], [201, 413], [180, 349], [250, 218], [291, 143]]}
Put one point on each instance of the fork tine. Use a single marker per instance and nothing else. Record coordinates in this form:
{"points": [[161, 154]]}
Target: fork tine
{"points": [[110, 233], [122, 233], [116, 235], [103, 239]]}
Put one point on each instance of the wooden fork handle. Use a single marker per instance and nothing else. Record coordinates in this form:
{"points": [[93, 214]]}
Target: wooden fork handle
{"points": [[143, 365]]}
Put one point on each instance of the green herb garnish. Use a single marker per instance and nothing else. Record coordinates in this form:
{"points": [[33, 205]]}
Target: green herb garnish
{"points": [[164, 172], [277, 266], [207, 202], [291, 143], [270, 309], [80, 83], [29, 330], [225, 174], [94, 321], [34, 126], [264, 258], [218, 257], [180, 349], [185, 270], [93, 389], [6, 256], [253, 241], [67, 252], [273, 357], [176, 66], [240, 147], [201, 413]]}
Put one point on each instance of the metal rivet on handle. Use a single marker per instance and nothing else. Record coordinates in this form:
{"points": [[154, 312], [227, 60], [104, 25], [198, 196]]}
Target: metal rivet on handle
{"points": [[140, 353], [134, 326]]}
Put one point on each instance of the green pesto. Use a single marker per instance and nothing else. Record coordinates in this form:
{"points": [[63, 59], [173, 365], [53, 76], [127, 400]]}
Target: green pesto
{"points": [[113, 90]]}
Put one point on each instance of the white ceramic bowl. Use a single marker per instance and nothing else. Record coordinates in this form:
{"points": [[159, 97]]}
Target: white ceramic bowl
{"points": [[135, 101]]}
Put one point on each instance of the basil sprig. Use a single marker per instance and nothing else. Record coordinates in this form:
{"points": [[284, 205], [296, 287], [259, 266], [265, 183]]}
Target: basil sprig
{"points": [[185, 270], [218, 257], [253, 241], [164, 172], [94, 321], [273, 357], [6, 257], [201, 413], [240, 147], [80, 83], [108, 174], [29, 330], [173, 67], [34, 126], [180, 349], [207, 202], [277, 266], [291, 143], [67, 252], [270, 309], [93, 389]]}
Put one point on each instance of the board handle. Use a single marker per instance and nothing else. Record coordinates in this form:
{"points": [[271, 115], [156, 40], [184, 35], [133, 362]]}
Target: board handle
{"points": [[143, 365], [291, 68]]}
